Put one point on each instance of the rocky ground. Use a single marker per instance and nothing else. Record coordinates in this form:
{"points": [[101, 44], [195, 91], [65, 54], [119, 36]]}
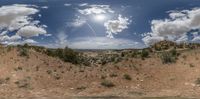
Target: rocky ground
{"points": [[35, 74]]}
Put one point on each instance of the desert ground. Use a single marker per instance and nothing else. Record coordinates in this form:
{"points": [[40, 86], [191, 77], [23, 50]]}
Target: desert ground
{"points": [[28, 72]]}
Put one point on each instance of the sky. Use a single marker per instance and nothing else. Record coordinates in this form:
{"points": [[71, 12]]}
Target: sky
{"points": [[98, 24]]}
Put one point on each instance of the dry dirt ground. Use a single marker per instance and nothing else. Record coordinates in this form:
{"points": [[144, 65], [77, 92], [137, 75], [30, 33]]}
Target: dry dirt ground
{"points": [[42, 76]]}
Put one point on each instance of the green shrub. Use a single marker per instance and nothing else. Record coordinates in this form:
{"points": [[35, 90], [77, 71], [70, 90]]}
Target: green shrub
{"points": [[23, 52], [127, 77], [103, 77], [67, 55], [173, 52], [122, 54], [23, 83], [198, 81], [167, 57], [9, 48], [70, 56], [170, 56], [144, 54], [107, 83], [113, 75]]}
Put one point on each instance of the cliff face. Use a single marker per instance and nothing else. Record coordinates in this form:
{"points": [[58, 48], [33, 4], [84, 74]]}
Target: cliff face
{"points": [[29, 73]]}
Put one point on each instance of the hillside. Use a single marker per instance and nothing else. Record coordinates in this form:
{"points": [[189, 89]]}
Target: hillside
{"points": [[28, 71]]}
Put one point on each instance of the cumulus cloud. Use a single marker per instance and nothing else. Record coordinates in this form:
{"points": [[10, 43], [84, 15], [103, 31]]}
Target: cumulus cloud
{"points": [[196, 39], [103, 43], [149, 40], [30, 31], [20, 42], [13, 17], [95, 9], [9, 38], [17, 17], [116, 26], [176, 27]]}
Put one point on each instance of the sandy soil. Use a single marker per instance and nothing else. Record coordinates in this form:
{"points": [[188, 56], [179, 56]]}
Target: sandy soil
{"points": [[42, 76]]}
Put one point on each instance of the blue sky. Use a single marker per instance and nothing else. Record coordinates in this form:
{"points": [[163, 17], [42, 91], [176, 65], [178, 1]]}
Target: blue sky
{"points": [[98, 24]]}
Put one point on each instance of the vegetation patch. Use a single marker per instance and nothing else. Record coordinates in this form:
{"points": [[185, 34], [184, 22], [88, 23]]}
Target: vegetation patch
{"points": [[197, 81], [23, 83], [127, 77], [113, 75], [169, 56], [107, 83], [23, 52]]}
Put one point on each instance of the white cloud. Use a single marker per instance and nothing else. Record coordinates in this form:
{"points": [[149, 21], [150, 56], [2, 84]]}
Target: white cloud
{"points": [[116, 26], [67, 4], [3, 33], [29, 41], [78, 22], [196, 39], [39, 15], [177, 26], [61, 40], [47, 34], [9, 38], [103, 43], [182, 39], [95, 9], [44, 7], [83, 4], [30, 31], [20, 42], [15, 16], [149, 40], [18, 18]]}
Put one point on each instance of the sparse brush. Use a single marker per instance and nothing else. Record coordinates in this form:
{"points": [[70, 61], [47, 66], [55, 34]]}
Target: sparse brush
{"points": [[169, 57], [23, 83], [23, 52], [103, 77], [191, 65], [107, 83], [81, 88], [127, 77], [113, 75], [144, 53], [198, 81]]}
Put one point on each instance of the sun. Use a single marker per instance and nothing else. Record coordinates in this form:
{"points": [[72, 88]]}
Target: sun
{"points": [[100, 17]]}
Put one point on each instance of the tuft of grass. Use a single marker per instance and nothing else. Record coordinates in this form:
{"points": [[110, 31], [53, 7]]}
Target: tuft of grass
{"points": [[107, 84], [24, 83], [191, 65], [81, 88], [127, 77], [197, 81], [113, 75]]}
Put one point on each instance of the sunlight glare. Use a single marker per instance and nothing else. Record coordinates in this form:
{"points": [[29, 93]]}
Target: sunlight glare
{"points": [[100, 17]]}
